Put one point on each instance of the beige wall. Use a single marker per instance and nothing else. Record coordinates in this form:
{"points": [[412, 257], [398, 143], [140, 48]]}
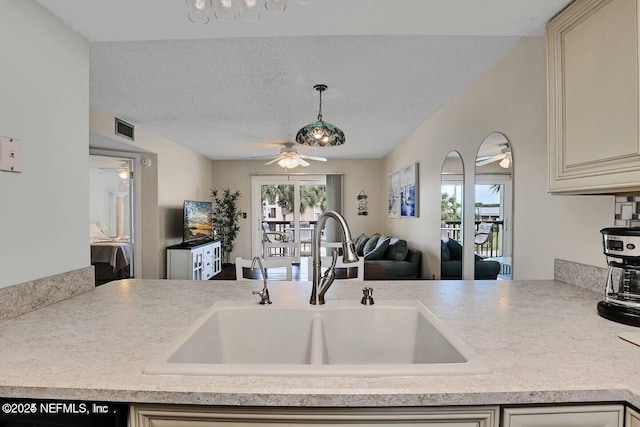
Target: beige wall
{"points": [[44, 88], [358, 175], [176, 174], [510, 97]]}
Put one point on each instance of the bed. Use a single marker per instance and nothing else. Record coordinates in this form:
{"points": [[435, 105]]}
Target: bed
{"points": [[111, 258]]}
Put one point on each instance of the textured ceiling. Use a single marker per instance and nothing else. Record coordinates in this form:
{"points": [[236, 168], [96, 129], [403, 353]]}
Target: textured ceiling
{"points": [[235, 90]]}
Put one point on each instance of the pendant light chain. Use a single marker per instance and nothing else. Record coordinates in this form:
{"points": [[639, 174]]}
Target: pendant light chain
{"points": [[320, 108]]}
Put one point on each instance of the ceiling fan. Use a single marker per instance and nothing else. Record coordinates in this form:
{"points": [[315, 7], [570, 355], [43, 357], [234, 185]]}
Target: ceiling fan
{"points": [[503, 158], [289, 157]]}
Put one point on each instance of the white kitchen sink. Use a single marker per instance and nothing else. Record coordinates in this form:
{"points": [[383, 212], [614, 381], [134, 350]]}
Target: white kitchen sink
{"points": [[338, 338]]}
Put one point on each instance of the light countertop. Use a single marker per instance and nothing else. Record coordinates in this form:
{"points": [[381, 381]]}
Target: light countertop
{"points": [[543, 340]]}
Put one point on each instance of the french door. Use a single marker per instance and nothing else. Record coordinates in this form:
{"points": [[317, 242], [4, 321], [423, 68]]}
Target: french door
{"points": [[284, 210]]}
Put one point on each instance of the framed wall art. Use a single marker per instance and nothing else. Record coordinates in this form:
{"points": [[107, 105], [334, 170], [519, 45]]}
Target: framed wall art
{"points": [[409, 191], [403, 192], [393, 192]]}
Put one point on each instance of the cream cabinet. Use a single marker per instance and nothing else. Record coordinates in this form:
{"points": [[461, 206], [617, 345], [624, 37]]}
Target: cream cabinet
{"points": [[592, 59], [194, 416], [565, 416], [632, 418], [199, 261]]}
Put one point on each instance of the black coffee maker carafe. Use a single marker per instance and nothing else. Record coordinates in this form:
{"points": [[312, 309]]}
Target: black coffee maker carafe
{"points": [[621, 301]]}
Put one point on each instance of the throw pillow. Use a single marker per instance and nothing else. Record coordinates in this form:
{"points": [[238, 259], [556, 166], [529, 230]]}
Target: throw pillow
{"points": [[398, 250], [371, 244], [359, 243], [455, 249], [445, 255], [378, 252]]}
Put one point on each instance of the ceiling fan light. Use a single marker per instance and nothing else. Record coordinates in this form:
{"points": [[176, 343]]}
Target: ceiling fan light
{"points": [[505, 163], [288, 162]]}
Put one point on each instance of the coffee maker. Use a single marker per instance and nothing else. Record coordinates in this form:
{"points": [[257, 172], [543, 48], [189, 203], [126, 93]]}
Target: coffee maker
{"points": [[621, 301]]}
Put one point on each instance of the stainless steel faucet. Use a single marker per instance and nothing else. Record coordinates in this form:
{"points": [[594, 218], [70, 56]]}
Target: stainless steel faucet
{"points": [[264, 293], [321, 284]]}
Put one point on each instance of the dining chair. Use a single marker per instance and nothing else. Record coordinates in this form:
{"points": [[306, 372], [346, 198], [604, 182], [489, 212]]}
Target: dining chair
{"points": [[277, 263]]}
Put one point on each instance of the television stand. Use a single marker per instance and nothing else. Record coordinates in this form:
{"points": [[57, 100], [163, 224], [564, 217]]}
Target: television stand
{"points": [[197, 260]]}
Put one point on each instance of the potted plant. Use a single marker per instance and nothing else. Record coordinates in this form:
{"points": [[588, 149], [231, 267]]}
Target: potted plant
{"points": [[225, 219]]}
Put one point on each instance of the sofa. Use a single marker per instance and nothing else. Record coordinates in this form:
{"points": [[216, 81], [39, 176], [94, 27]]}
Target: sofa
{"points": [[387, 258], [451, 263]]}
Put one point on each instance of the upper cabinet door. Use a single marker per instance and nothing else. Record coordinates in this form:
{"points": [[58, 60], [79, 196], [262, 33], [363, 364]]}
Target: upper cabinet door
{"points": [[592, 49]]}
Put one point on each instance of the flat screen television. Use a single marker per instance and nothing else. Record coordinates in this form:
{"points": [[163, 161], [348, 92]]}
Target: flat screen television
{"points": [[197, 220]]}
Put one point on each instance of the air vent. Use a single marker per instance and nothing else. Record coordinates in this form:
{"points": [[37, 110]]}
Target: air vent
{"points": [[124, 129]]}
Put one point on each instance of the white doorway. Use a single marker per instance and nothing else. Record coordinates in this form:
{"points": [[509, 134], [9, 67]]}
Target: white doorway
{"points": [[113, 215]]}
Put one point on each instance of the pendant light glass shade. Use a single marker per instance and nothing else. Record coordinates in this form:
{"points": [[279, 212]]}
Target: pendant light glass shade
{"points": [[276, 6], [199, 11], [249, 10], [320, 133]]}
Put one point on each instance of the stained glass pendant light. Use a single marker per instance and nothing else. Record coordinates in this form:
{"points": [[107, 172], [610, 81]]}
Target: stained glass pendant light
{"points": [[320, 133]]}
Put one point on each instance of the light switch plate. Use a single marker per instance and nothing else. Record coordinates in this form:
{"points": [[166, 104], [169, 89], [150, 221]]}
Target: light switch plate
{"points": [[10, 154]]}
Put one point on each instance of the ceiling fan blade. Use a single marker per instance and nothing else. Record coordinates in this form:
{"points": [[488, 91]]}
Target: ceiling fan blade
{"points": [[320, 159], [486, 162], [274, 160], [479, 159], [303, 162], [490, 160]]}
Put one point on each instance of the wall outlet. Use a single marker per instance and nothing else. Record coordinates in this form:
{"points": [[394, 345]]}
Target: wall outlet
{"points": [[10, 154]]}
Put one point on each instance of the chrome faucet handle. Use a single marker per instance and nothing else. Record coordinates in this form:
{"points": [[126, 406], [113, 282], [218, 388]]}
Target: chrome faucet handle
{"points": [[367, 296], [264, 296], [334, 259], [327, 279], [264, 293]]}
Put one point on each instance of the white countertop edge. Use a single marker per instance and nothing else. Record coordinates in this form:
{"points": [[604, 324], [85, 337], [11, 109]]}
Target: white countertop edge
{"points": [[317, 400]]}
